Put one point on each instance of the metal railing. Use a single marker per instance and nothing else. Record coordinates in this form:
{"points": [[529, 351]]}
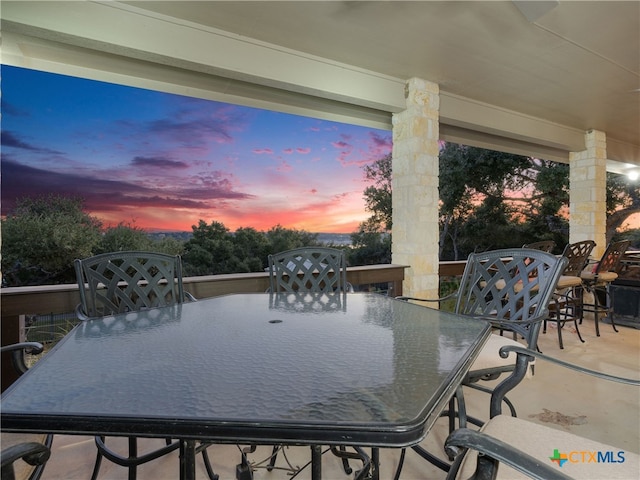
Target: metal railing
{"points": [[18, 302], [44, 304]]}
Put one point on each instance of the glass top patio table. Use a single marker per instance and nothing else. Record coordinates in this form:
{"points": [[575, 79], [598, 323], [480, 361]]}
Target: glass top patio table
{"points": [[355, 369]]}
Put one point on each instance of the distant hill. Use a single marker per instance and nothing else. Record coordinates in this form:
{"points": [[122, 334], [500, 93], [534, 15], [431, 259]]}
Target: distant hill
{"points": [[182, 236], [325, 238], [335, 238]]}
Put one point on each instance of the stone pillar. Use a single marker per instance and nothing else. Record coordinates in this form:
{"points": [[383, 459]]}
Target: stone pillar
{"points": [[588, 194], [415, 188]]}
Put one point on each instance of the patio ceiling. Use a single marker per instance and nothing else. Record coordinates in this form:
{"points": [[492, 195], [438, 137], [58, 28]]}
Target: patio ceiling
{"points": [[525, 77]]}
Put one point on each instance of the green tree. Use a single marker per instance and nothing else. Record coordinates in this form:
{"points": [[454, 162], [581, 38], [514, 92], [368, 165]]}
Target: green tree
{"points": [[281, 239], [623, 200], [209, 251], [377, 196], [371, 243], [124, 237], [169, 245], [473, 213], [43, 236], [251, 247]]}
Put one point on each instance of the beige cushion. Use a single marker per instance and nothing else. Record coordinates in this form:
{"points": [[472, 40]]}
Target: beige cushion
{"points": [[603, 277], [540, 442], [21, 468], [565, 281], [489, 356], [568, 281]]}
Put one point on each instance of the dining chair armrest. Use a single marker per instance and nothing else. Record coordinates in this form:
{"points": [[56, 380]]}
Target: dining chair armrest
{"points": [[504, 353], [31, 452], [491, 451], [28, 347], [83, 317], [18, 350]]}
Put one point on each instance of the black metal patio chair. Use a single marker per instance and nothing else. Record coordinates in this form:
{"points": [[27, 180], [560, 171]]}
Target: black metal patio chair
{"points": [[566, 305], [544, 245], [508, 448], [308, 269], [119, 282], [511, 288], [312, 270], [597, 282], [23, 455]]}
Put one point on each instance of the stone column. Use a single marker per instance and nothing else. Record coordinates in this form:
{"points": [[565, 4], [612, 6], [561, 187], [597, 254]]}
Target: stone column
{"points": [[588, 195], [415, 188]]}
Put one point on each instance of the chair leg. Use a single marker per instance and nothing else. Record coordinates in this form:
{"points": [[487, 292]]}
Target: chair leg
{"points": [[207, 463], [576, 311], [133, 453], [96, 466], [345, 462], [274, 456], [575, 322], [607, 307], [560, 325]]}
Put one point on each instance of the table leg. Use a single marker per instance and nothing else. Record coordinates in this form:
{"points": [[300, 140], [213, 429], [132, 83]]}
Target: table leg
{"points": [[187, 459], [316, 462], [375, 463]]}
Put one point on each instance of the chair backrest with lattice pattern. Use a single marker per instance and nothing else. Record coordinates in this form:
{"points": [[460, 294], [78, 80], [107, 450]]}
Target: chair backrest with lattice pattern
{"points": [[308, 269], [511, 287], [577, 255], [544, 245], [610, 261], [119, 282]]}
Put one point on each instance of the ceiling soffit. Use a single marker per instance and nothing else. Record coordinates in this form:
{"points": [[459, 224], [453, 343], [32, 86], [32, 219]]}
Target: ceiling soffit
{"points": [[319, 84]]}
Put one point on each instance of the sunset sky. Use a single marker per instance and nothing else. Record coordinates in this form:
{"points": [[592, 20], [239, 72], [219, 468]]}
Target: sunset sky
{"points": [[163, 162]]}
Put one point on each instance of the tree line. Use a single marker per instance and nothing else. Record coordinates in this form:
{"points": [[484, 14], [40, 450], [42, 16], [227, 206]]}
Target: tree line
{"points": [[44, 235], [491, 200], [488, 200]]}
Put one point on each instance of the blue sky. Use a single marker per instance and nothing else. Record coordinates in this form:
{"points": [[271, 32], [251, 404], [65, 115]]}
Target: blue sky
{"points": [[162, 162]]}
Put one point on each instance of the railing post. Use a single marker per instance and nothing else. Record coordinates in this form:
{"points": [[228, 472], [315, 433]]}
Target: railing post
{"points": [[11, 328], [396, 287]]}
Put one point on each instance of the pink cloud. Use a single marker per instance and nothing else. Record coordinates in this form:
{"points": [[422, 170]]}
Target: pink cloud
{"points": [[341, 144], [288, 151], [260, 151], [303, 150], [284, 167]]}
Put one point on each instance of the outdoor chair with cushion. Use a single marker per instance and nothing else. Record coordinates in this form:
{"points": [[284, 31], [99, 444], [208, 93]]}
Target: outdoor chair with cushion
{"points": [[23, 454], [20, 457], [597, 281], [511, 288], [577, 255], [512, 448], [118, 282], [566, 305]]}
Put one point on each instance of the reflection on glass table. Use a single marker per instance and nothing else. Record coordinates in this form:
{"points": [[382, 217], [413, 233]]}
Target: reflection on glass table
{"points": [[253, 368]]}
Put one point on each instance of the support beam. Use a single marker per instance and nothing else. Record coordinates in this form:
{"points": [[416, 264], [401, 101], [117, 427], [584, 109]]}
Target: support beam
{"points": [[149, 50], [588, 192], [415, 188]]}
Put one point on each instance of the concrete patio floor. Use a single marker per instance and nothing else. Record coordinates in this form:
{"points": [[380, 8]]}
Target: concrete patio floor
{"points": [[554, 396]]}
